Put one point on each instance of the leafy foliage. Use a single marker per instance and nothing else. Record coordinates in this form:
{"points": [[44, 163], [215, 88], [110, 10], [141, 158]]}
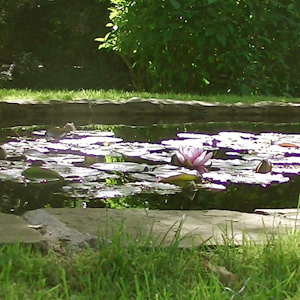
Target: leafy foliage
{"points": [[212, 46]]}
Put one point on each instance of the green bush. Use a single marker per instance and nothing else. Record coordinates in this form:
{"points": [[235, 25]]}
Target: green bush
{"points": [[210, 46]]}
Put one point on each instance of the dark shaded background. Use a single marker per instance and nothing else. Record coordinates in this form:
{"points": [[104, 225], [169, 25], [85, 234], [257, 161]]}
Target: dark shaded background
{"points": [[50, 45]]}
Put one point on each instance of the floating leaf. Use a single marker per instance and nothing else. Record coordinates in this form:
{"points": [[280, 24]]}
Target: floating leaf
{"points": [[180, 177], [57, 132], [243, 176], [158, 187], [38, 173], [117, 191], [288, 145], [3, 153], [211, 186], [123, 167], [10, 173]]}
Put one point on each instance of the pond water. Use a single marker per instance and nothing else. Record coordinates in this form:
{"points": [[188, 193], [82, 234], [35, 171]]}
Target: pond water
{"points": [[130, 166]]}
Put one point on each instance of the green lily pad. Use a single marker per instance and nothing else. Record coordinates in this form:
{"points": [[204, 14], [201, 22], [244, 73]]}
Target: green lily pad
{"points": [[3, 153], [38, 173], [124, 167], [180, 177]]}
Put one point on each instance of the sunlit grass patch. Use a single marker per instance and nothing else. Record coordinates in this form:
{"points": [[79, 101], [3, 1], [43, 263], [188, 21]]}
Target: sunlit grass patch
{"points": [[143, 270], [16, 94]]}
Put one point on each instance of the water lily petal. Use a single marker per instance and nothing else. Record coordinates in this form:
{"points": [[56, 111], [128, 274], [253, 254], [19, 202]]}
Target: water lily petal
{"points": [[184, 151], [180, 157], [193, 153], [198, 161], [202, 159], [207, 157]]}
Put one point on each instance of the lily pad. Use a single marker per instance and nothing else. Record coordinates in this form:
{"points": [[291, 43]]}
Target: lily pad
{"points": [[38, 173], [158, 188], [117, 191], [211, 186], [245, 177], [180, 177], [124, 167], [92, 133], [91, 140], [12, 173], [163, 157]]}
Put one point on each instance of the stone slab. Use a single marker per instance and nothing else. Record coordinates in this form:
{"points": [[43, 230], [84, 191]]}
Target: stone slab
{"points": [[195, 227], [57, 235], [285, 213], [78, 226], [15, 229]]}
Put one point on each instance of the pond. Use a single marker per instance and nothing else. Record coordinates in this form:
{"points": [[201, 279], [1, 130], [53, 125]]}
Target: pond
{"points": [[132, 166]]}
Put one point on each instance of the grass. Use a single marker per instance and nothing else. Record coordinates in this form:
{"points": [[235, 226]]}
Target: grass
{"points": [[142, 271], [15, 94]]}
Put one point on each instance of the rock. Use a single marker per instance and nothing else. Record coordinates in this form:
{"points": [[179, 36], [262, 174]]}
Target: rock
{"points": [[14, 229], [57, 236]]}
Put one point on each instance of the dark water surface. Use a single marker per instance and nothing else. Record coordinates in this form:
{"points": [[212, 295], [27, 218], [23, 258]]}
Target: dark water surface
{"points": [[17, 197]]}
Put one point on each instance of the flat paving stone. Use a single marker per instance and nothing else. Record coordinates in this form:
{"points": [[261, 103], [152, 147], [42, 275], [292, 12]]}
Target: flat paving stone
{"points": [[195, 227], [15, 229]]}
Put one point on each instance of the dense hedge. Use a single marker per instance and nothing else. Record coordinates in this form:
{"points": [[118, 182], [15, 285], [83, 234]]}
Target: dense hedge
{"points": [[210, 46], [50, 44]]}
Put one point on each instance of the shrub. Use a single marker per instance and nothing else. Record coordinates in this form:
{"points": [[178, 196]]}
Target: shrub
{"points": [[210, 46]]}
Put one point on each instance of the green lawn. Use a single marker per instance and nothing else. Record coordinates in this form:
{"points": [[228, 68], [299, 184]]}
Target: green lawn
{"points": [[11, 94], [142, 271]]}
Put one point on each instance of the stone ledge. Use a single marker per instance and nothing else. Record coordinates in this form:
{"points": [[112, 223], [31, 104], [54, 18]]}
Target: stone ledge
{"points": [[22, 112], [77, 227]]}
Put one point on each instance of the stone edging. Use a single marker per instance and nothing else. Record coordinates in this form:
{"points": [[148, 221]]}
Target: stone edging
{"points": [[135, 108]]}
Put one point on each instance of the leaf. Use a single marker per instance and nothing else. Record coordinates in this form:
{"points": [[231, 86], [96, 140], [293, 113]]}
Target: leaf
{"points": [[104, 39], [288, 145], [211, 11], [209, 31], [180, 177], [230, 28], [207, 82], [123, 167], [221, 37], [184, 76], [266, 39], [35, 173], [209, 2], [2, 153], [285, 45], [290, 7], [56, 132], [175, 4]]}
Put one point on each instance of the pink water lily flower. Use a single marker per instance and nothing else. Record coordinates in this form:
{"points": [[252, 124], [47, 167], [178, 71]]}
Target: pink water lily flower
{"points": [[192, 157]]}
